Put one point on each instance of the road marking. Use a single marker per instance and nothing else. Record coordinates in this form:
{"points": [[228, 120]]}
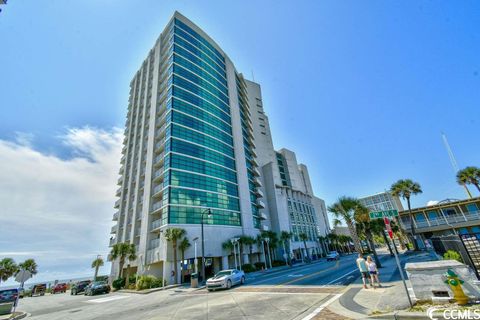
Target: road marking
{"points": [[323, 306], [295, 275], [107, 299], [346, 274], [311, 275]]}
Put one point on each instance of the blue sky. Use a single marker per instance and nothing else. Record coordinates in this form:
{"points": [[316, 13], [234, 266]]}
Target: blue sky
{"points": [[360, 90]]}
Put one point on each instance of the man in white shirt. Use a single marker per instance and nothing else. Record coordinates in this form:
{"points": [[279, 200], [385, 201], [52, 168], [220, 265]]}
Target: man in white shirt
{"points": [[362, 267]]}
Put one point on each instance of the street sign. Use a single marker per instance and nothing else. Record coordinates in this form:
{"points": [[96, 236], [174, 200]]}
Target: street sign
{"points": [[382, 214], [22, 276]]}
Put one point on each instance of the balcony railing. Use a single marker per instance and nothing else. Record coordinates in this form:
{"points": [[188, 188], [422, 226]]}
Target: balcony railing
{"points": [[444, 221], [115, 216], [114, 229], [156, 224], [154, 243], [112, 242]]}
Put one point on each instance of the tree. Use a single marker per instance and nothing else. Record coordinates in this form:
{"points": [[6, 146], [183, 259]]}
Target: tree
{"points": [[469, 175], [228, 245], [304, 237], [97, 263], [322, 239], [123, 251], [365, 226], [344, 209], [184, 245], [405, 188], [173, 235], [8, 268], [272, 242], [261, 248], [285, 237], [249, 241], [332, 241], [28, 265]]}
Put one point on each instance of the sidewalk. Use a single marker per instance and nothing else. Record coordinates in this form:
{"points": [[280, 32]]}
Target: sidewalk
{"points": [[359, 303]]}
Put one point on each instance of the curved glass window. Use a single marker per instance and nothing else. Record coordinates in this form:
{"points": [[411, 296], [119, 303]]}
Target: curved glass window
{"points": [[221, 102], [195, 181], [189, 215], [197, 101], [219, 92], [197, 137], [203, 198], [186, 163], [196, 151]]}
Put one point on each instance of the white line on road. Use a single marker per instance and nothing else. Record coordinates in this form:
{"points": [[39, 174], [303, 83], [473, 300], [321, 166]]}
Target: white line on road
{"points": [[107, 299], [346, 274], [323, 306], [295, 275]]}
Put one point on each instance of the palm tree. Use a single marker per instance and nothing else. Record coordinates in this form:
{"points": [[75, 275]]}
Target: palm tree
{"points": [[123, 251], [304, 237], [184, 245], [241, 243], [172, 235], [285, 236], [332, 239], [364, 225], [8, 268], [259, 242], [249, 241], [272, 242], [228, 245], [344, 209], [322, 239], [469, 175], [97, 263], [28, 265], [405, 188]]}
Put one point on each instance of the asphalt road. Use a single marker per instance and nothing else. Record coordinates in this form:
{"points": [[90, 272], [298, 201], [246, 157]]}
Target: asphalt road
{"points": [[281, 294]]}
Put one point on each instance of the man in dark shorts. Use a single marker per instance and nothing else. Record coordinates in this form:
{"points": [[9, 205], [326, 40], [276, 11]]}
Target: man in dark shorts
{"points": [[362, 267]]}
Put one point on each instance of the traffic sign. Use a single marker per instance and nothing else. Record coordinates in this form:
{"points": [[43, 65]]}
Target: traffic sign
{"points": [[388, 227], [22, 276], [382, 214]]}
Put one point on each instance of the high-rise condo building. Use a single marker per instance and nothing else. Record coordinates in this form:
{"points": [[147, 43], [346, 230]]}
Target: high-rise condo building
{"points": [[195, 151]]}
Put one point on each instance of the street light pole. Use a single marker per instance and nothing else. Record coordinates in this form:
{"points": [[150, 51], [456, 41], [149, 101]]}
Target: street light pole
{"points": [[195, 261], [209, 213]]}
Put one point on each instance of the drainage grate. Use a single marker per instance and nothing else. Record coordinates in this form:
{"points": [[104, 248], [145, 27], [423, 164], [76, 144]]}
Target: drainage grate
{"points": [[440, 294]]}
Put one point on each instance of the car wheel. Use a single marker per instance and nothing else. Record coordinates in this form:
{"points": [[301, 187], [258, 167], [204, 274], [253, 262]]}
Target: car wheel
{"points": [[209, 290], [242, 281], [229, 284]]}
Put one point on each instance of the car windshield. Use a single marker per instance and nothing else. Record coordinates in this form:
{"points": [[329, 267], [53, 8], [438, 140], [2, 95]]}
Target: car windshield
{"points": [[98, 283], [223, 273]]}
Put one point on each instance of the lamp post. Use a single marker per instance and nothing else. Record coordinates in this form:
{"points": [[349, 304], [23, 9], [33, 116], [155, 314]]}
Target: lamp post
{"points": [[165, 260], [209, 214], [267, 240], [195, 260], [234, 242]]}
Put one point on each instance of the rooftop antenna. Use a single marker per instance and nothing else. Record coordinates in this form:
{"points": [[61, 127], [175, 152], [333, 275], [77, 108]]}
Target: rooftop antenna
{"points": [[253, 77], [453, 161]]}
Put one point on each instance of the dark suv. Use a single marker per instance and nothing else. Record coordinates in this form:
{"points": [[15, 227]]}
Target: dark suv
{"points": [[79, 287]]}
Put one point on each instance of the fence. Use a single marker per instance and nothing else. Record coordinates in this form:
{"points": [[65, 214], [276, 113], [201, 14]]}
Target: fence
{"points": [[467, 245]]}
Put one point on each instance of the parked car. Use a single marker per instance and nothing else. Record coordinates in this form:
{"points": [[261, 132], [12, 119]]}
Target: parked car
{"points": [[38, 290], [225, 279], [8, 299], [21, 292], [97, 287], [59, 288], [79, 287], [333, 255]]}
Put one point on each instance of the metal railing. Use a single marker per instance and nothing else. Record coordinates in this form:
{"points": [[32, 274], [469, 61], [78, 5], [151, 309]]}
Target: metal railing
{"points": [[443, 220]]}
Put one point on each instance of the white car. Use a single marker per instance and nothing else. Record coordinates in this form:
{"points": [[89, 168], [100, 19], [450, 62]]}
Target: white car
{"points": [[333, 255], [225, 279]]}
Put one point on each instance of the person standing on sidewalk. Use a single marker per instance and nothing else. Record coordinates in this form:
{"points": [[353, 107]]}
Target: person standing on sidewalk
{"points": [[363, 268], [372, 269]]}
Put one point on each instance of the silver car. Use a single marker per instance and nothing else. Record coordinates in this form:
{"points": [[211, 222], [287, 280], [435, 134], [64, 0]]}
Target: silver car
{"points": [[225, 279]]}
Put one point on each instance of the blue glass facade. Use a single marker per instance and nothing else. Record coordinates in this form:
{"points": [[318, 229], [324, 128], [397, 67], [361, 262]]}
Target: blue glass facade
{"points": [[196, 149]]}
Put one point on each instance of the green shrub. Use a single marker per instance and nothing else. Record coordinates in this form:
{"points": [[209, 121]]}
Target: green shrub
{"points": [[145, 282], [158, 283], [118, 284], [259, 265], [452, 255], [132, 278], [278, 263], [248, 268]]}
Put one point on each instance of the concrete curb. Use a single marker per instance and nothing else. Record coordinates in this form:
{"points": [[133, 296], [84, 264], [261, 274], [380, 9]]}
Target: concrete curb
{"points": [[401, 315], [18, 316], [147, 291]]}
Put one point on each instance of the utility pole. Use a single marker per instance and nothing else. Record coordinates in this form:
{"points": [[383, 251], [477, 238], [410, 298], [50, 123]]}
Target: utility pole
{"points": [[453, 162]]}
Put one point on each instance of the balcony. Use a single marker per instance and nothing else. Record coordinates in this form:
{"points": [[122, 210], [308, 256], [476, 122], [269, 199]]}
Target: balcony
{"points": [[115, 216], [156, 224], [117, 204], [255, 171], [157, 191], [158, 175], [154, 243], [119, 192], [158, 160], [120, 181], [443, 222], [152, 256], [263, 216], [260, 204], [114, 229], [257, 182], [259, 193], [112, 242]]}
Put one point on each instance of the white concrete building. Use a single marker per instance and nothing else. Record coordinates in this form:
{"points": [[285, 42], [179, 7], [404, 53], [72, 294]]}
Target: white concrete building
{"points": [[197, 141]]}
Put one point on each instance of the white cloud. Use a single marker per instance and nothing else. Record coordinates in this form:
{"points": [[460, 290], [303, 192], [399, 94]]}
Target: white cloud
{"points": [[58, 211], [432, 203]]}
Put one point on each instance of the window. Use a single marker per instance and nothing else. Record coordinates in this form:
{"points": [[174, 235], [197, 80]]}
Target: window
{"points": [[472, 207]]}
